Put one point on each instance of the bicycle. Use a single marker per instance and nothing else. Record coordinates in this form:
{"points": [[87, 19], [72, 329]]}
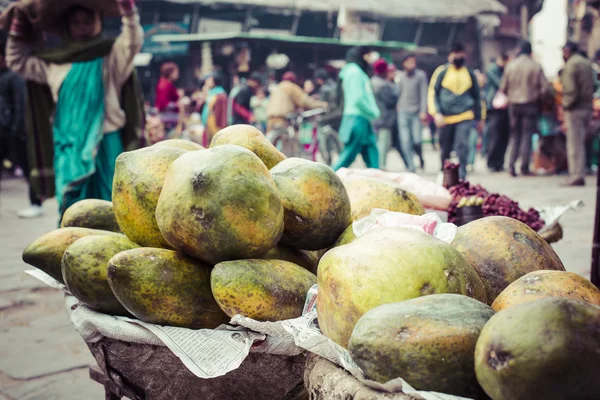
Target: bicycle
{"points": [[307, 139]]}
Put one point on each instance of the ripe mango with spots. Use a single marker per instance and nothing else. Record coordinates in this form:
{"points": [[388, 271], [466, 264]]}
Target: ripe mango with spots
{"points": [[369, 193], [316, 204], [84, 271], [547, 349], [252, 139], [538, 285], [502, 250], [265, 290], [138, 182], [179, 144], [91, 213], [220, 204], [47, 251], [428, 341], [165, 287], [387, 265], [298, 257]]}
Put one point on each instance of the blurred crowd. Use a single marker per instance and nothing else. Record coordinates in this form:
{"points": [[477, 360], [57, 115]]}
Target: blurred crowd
{"points": [[83, 108]]}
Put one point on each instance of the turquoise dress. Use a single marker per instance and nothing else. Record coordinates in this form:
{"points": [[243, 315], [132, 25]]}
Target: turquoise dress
{"points": [[360, 110], [84, 155]]}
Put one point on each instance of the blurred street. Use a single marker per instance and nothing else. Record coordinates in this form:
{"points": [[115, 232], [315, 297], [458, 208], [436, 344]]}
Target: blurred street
{"points": [[41, 355]]}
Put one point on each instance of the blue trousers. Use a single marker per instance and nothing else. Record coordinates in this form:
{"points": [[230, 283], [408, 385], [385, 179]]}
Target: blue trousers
{"points": [[411, 137]]}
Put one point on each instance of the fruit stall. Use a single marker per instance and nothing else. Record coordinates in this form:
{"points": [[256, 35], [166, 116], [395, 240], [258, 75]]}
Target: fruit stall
{"points": [[235, 272]]}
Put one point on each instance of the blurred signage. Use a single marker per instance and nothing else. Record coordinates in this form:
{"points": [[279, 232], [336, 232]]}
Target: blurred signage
{"points": [[361, 32], [208, 25], [165, 48], [274, 32]]}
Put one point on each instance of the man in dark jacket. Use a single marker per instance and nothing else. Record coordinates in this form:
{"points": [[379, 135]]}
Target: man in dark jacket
{"points": [[240, 100], [497, 118], [455, 103], [386, 97], [578, 94], [12, 128]]}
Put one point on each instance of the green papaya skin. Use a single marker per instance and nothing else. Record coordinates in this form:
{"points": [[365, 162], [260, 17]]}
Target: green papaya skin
{"points": [[502, 250], [179, 144], [316, 203], [91, 213], [428, 341], [298, 257], [387, 265], [47, 251], [346, 237], [220, 204], [165, 287], [138, 182], [84, 271], [265, 290], [546, 349]]}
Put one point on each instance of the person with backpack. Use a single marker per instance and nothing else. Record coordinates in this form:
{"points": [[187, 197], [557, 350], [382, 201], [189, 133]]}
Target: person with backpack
{"points": [[12, 128], [455, 103], [360, 110]]}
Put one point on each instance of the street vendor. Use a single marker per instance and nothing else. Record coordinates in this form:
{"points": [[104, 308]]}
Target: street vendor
{"points": [[83, 106]]}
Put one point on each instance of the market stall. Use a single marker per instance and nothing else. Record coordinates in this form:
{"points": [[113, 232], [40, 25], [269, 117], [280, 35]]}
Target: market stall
{"points": [[214, 273]]}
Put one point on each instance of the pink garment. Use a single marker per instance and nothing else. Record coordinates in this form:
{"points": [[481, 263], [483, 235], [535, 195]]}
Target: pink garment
{"points": [[166, 93]]}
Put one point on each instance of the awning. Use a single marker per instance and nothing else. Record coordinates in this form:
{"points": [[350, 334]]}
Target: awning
{"points": [[308, 40], [422, 10]]}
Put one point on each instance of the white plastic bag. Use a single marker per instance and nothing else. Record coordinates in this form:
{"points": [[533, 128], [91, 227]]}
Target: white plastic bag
{"points": [[430, 194], [429, 223]]}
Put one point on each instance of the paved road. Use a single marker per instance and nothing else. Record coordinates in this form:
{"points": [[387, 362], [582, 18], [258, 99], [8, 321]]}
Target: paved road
{"points": [[42, 357]]}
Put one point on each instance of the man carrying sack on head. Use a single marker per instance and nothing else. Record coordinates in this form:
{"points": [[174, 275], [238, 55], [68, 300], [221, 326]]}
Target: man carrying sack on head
{"points": [[84, 107]]}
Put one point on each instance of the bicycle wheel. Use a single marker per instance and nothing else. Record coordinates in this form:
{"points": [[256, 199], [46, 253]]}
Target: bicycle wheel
{"points": [[329, 145], [284, 143]]}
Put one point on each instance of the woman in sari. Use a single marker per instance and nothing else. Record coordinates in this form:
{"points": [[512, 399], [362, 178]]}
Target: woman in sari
{"points": [[83, 106], [214, 112]]}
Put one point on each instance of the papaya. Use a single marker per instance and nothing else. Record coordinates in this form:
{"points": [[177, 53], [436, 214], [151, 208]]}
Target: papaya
{"points": [[428, 341], [369, 193], [47, 251], [91, 213], [346, 237], [316, 204], [165, 287], [298, 257], [265, 290], [251, 138], [138, 181], [547, 349], [502, 250], [387, 265], [541, 284], [179, 144], [220, 204], [84, 271]]}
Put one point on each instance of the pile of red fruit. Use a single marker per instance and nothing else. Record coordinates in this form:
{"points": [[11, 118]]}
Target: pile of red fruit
{"points": [[493, 204], [449, 165]]}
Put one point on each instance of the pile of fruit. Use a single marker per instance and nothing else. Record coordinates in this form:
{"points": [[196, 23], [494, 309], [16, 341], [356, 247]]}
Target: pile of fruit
{"points": [[493, 314], [195, 236], [493, 205], [472, 201]]}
